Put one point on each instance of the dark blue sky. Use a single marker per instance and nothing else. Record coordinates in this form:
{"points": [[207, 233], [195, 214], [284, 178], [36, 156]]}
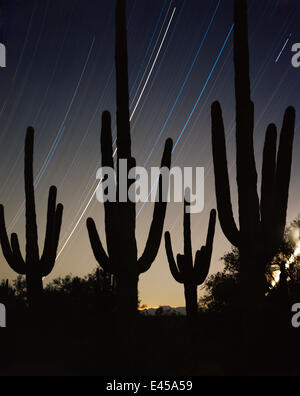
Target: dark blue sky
{"points": [[60, 77]]}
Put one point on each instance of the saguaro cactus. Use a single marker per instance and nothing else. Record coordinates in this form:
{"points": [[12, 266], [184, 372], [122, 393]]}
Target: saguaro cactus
{"points": [[190, 274], [120, 217], [34, 267], [262, 222]]}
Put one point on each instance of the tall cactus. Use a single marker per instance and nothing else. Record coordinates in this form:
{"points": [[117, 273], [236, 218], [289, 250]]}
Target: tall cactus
{"points": [[120, 217], [262, 222], [185, 272], [34, 267]]}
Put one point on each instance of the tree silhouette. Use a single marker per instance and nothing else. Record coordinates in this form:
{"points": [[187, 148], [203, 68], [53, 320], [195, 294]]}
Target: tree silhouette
{"points": [[185, 272], [120, 217], [6, 292], [222, 287], [262, 222], [105, 280], [34, 266]]}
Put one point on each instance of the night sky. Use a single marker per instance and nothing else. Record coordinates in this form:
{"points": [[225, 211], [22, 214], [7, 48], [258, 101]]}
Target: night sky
{"points": [[60, 77]]}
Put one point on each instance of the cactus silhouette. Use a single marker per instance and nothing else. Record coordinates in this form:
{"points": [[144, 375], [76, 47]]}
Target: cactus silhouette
{"points": [[262, 222], [185, 272], [34, 267], [120, 217]]}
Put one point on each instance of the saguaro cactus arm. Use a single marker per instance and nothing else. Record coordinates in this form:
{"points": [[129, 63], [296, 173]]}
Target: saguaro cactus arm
{"points": [[57, 226], [268, 174], [203, 256], [54, 220], [172, 264], [11, 251], [97, 246], [156, 229], [222, 186], [188, 252], [16, 248], [284, 164], [201, 267], [211, 232]]}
